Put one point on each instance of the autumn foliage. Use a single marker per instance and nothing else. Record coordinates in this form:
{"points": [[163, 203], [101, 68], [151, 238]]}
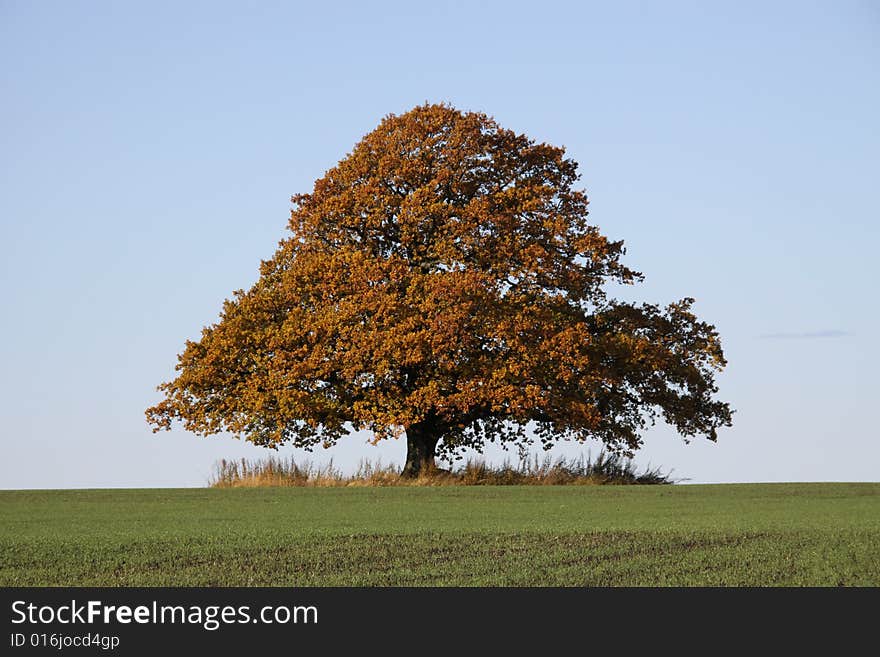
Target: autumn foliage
{"points": [[443, 282]]}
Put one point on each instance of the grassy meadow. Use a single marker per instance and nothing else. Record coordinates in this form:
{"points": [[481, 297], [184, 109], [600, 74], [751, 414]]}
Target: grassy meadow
{"points": [[734, 534]]}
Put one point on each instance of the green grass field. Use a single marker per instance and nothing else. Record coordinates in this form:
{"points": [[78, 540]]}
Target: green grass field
{"points": [[749, 534]]}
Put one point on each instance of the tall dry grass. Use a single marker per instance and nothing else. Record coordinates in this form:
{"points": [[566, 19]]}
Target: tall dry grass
{"points": [[606, 468]]}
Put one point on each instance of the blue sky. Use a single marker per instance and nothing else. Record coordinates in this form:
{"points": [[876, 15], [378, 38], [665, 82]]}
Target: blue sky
{"points": [[149, 151]]}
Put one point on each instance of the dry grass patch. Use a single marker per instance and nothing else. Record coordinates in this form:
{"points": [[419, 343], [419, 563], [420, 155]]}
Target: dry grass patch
{"points": [[277, 471]]}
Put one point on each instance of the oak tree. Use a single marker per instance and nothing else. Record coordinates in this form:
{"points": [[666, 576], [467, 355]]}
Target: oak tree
{"points": [[443, 282]]}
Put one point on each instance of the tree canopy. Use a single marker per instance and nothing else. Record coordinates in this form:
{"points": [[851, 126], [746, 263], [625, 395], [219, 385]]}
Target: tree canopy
{"points": [[443, 281]]}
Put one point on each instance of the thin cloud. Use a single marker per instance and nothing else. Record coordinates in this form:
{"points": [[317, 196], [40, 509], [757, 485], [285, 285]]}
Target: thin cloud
{"points": [[830, 333]]}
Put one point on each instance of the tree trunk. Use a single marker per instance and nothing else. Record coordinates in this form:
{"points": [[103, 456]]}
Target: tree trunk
{"points": [[421, 447]]}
